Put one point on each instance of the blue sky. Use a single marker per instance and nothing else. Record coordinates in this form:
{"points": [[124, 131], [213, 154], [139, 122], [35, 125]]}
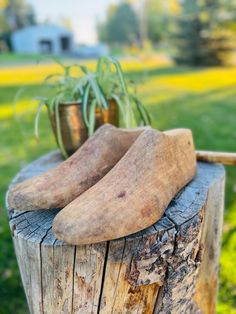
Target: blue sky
{"points": [[83, 15]]}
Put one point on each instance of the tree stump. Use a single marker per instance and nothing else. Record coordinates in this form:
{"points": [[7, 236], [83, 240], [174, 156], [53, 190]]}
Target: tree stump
{"points": [[171, 267]]}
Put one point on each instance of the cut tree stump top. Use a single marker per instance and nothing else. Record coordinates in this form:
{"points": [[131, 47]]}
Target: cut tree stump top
{"points": [[173, 243]]}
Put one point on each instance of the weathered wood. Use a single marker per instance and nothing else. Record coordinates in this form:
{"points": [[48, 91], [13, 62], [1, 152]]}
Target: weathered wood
{"points": [[224, 158], [61, 185], [135, 193], [207, 284], [170, 267]]}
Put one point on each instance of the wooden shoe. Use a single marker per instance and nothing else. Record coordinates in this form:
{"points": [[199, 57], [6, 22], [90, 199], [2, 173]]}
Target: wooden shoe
{"points": [[59, 186], [135, 193]]}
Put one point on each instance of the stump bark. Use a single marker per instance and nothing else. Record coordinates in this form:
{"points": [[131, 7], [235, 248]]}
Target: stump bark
{"points": [[171, 267]]}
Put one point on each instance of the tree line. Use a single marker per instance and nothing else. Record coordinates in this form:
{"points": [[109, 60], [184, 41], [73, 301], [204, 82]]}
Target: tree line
{"points": [[199, 32]]}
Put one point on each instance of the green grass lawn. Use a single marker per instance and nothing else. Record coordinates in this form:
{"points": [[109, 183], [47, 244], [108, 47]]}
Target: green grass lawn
{"points": [[201, 99]]}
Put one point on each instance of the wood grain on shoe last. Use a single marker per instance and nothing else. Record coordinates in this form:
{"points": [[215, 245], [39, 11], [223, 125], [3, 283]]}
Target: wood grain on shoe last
{"points": [[135, 193], [59, 186]]}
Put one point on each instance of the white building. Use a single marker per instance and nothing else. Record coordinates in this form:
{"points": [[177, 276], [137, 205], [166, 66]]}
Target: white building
{"points": [[48, 39]]}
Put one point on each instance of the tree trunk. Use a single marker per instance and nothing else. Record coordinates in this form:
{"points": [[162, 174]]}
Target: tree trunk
{"points": [[171, 267]]}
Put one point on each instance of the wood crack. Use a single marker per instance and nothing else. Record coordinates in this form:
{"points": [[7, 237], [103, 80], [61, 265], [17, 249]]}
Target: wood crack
{"points": [[103, 276], [116, 285], [73, 282]]}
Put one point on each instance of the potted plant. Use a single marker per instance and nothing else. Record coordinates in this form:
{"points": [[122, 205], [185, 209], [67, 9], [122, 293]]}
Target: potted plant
{"points": [[64, 110], [117, 97], [80, 104], [66, 107]]}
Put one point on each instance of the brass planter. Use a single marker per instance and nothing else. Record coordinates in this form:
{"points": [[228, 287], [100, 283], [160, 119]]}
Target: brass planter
{"points": [[110, 115], [73, 129]]}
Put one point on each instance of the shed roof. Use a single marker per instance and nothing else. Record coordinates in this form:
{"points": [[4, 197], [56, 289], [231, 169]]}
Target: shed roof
{"points": [[44, 28]]}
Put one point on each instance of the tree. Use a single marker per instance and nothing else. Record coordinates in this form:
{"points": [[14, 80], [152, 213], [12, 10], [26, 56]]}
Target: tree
{"points": [[121, 25], [159, 16], [19, 14], [14, 14], [202, 36]]}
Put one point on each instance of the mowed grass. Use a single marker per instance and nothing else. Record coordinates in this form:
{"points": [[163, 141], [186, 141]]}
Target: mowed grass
{"points": [[201, 99]]}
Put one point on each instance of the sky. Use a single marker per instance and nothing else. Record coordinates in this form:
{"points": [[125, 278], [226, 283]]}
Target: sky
{"points": [[83, 15]]}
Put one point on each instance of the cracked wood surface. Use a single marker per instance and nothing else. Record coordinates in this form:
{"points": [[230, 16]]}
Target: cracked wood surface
{"points": [[171, 267]]}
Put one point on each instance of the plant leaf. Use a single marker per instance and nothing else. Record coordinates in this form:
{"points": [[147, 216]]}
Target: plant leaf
{"points": [[144, 115], [58, 129], [36, 122], [92, 118], [119, 104], [85, 105], [50, 76], [17, 96]]}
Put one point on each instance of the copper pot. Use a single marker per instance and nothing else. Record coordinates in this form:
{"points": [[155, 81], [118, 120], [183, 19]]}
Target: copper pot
{"points": [[73, 129], [110, 115]]}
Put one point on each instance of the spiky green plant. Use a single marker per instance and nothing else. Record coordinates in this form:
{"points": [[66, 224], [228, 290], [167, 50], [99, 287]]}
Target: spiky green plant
{"points": [[111, 80], [93, 89], [65, 89]]}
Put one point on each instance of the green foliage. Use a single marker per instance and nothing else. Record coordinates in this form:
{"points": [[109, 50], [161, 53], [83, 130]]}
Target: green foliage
{"points": [[64, 88], [159, 19], [121, 26], [203, 34], [92, 90], [128, 24], [15, 15], [114, 86], [20, 12]]}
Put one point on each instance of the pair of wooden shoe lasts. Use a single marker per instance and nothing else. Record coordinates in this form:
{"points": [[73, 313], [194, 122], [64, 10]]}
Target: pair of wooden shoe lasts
{"points": [[119, 182]]}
